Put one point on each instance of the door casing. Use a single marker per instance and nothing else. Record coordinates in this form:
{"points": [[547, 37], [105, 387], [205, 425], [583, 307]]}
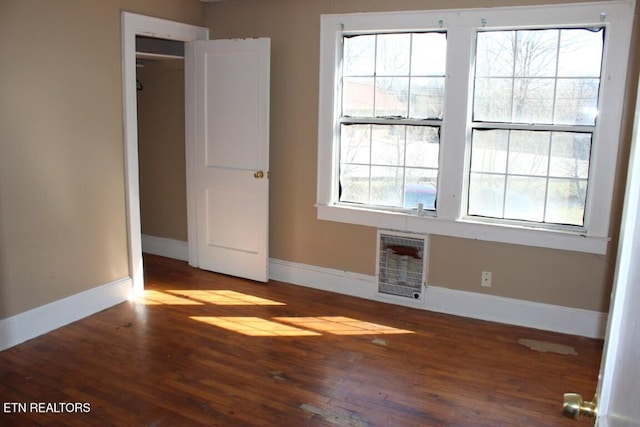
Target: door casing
{"points": [[133, 25]]}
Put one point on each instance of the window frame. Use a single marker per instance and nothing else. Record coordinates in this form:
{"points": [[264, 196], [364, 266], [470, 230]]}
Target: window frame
{"points": [[376, 122], [461, 27]]}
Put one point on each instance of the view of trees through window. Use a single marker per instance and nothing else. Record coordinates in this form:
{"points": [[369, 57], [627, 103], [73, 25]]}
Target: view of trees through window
{"points": [[535, 108], [392, 108], [534, 112]]}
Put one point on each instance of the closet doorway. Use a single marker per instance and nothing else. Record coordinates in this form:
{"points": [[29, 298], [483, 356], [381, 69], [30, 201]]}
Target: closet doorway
{"points": [[161, 146], [134, 26]]}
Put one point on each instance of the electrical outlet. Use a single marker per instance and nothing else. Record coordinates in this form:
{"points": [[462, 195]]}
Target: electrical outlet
{"points": [[485, 279]]}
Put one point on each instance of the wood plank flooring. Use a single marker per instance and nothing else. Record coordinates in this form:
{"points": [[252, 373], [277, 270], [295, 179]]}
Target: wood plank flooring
{"points": [[208, 349]]}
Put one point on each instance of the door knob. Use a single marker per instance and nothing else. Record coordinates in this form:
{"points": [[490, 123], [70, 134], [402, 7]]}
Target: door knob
{"points": [[574, 406], [258, 174]]}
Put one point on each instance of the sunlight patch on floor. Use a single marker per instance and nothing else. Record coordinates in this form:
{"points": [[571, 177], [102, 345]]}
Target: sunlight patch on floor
{"points": [[254, 326], [224, 297], [161, 298], [304, 326], [257, 326], [200, 297], [340, 325]]}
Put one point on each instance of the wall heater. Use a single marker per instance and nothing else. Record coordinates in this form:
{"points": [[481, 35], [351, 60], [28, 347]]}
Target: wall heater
{"points": [[402, 264]]}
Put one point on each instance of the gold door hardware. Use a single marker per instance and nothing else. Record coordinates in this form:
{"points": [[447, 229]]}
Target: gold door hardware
{"points": [[258, 174], [574, 406]]}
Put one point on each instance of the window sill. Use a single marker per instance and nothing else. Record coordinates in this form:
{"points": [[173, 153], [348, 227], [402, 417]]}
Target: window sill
{"points": [[503, 233]]}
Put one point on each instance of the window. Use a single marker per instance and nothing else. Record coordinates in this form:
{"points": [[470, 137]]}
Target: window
{"points": [[392, 107], [500, 124], [535, 104]]}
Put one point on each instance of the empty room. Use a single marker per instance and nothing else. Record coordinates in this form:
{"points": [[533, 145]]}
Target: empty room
{"points": [[319, 212]]}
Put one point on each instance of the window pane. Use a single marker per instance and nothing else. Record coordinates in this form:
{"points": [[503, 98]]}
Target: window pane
{"points": [[489, 151], [428, 54], [577, 102], [393, 54], [427, 98], [387, 185], [354, 183], [359, 55], [580, 52], [357, 96], [492, 99], [566, 201], [524, 198], [495, 54], [423, 146], [536, 53], [570, 154], [391, 97], [420, 187], [387, 145], [486, 195], [532, 101], [356, 144], [529, 153]]}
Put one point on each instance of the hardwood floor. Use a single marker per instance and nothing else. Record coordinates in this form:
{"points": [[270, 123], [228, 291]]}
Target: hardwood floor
{"points": [[208, 349]]}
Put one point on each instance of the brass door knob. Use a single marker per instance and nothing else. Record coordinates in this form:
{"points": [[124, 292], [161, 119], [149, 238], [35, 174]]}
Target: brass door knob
{"points": [[258, 174], [574, 406]]}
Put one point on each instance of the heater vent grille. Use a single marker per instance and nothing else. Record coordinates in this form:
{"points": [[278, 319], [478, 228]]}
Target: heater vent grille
{"points": [[401, 264]]}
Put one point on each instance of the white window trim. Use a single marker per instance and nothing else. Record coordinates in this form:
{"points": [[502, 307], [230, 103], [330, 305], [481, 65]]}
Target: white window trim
{"points": [[461, 26]]}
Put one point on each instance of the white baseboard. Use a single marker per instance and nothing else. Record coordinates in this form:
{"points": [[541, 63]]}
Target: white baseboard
{"points": [[170, 248], [548, 317], [32, 323], [510, 311]]}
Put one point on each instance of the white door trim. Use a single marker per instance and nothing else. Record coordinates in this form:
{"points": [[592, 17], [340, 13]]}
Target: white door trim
{"points": [[132, 25]]}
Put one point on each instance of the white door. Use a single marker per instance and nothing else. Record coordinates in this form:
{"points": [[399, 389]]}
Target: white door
{"points": [[618, 392], [231, 156], [619, 387]]}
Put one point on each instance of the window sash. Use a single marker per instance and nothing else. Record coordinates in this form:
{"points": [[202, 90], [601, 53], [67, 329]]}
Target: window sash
{"points": [[521, 176], [389, 165]]}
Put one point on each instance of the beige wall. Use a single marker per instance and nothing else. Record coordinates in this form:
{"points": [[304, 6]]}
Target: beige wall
{"points": [[62, 208], [535, 274], [161, 150]]}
